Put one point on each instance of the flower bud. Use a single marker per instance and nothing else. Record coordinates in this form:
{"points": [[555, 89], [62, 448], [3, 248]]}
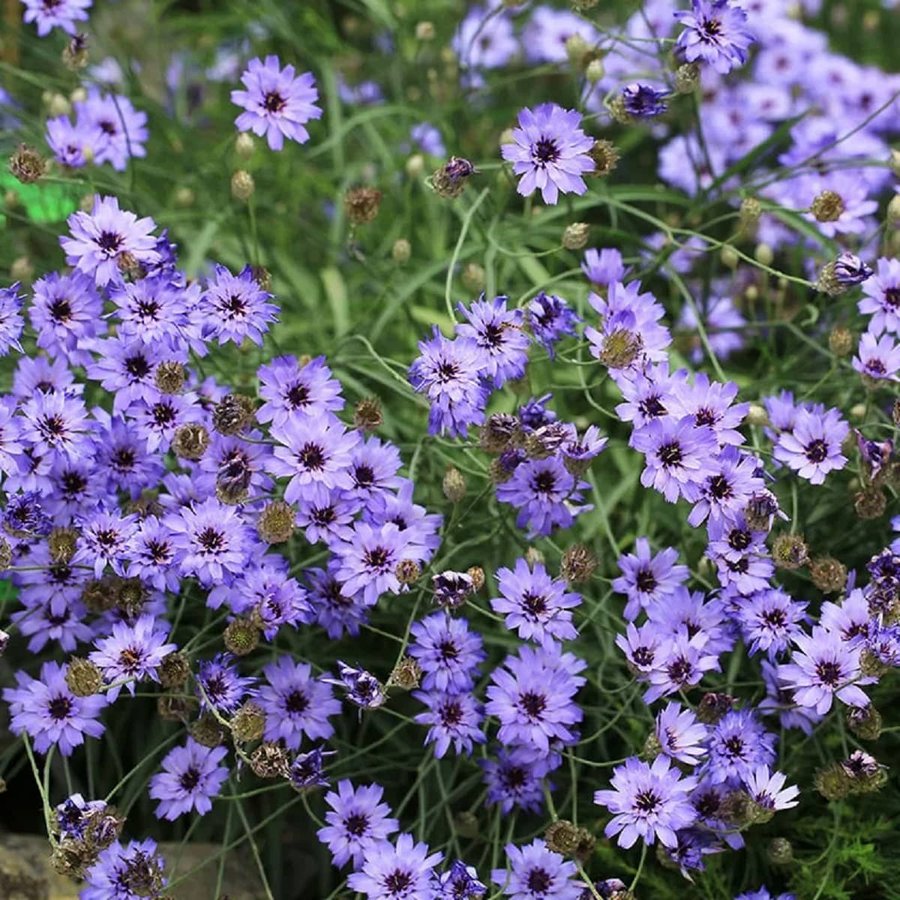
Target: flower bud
{"points": [[828, 574], [174, 670], [362, 204], [244, 145], [367, 416], [893, 210], [576, 235], [454, 484], [595, 71], [790, 551], [425, 31], [473, 277], [248, 723], [757, 415], [466, 825], [401, 251], [605, 157], [870, 503], [687, 77], [27, 165], [713, 706], [729, 257], [578, 564], [242, 185], [22, 269], [241, 636], [75, 54], [840, 341], [276, 522], [780, 851], [865, 722], [58, 105], [764, 254], [562, 837], [415, 165], [208, 731], [450, 179]]}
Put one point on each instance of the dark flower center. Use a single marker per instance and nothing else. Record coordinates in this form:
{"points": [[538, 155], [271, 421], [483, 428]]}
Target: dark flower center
{"points": [[679, 670], [539, 881], [356, 824], [73, 483], [235, 305], [137, 367], [59, 708], [163, 414], [53, 426], [397, 882], [123, 459], [190, 779], [448, 650], [829, 673], [274, 102], [646, 581], [492, 335], [513, 778], [110, 242], [892, 296], [535, 604], [211, 540], [364, 476], [652, 407], [720, 488], [876, 366], [377, 558], [324, 516], [447, 371], [544, 483], [643, 656], [533, 704], [775, 618], [130, 659], [739, 539], [816, 451], [646, 801], [712, 28], [734, 747], [61, 310], [546, 150], [311, 456], [107, 538], [297, 395], [451, 714], [670, 454], [296, 702], [705, 417]]}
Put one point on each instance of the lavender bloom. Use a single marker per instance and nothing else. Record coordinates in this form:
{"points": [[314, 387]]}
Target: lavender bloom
{"points": [[291, 390], [361, 687], [850, 270], [485, 39], [73, 144], [550, 152], [211, 541], [50, 713], [49, 14], [237, 307], [66, 314], [714, 33], [121, 129], [357, 820], [191, 777], [647, 802], [680, 735], [536, 872], [448, 372], [460, 882], [105, 540], [222, 687], [296, 703], [515, 779], [877, 357], [106, 238], [132, 652], [882, 297], [768, 790], [738, 744], [453, 719], [770, 620], [685, 660], [824, 667], [550, 319], [813, 448], [308, 769], [646, 578], [603, 267], [427, 139], [534, 604], [11, 321], [499, 336], [276, 103], [125, 872], [727, 490], [403, 870], [643, 101], [447, 652], [368, 559]]}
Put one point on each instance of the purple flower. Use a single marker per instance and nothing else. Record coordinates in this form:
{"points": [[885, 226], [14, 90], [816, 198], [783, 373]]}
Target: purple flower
{"points": [[308, 769], [685, 660], [106, 237], [276, 103], [709, 403], [680, 735], [368, 559], [211, 541], [813, 448], [646, 578], [770, 620], [460, 882], [714, 33], [11, 321], [403, 870], [545, 493], [447, 652], [191, 777], [550, 318], [125, 367], [73, 143], [534, 604], [647, 802], [66, 314], [427, 139], [727, 489], [643, 101], [677, 456], [768, 790], [357, 820], [485, 39], [532, 696], [603, 267], [361, 687], [49, 14], [236, 306], [296, 703], [55, 425], [537, 873], [132, 652], [120, 129], [738, 745], [850, 270], [878, 357], [290, 390], [882, 297], [448, 372], [222, 687], [453, 719], [105, 540], [515, 779], [823, 667], [50, 713], [550, 152], [125, 872], [500, 337]]}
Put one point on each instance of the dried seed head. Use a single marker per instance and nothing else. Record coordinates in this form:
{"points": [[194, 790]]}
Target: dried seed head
{"points": [[500, 432], [75, 54], [454, 484], [401, 251], [466, 825], [276, 522], [738, 808], [83, 677], [865, 722], [241, 636], [99, 594], [233, 414], [170, 377], [576, 235], [533, 557], [790, 551], [473, 277], [242, 185], [27, 165], [175, 709], [408, 571], [713, 706], [5, 554], [451, 178], [362, 204], [131, 595], [407, 674], [270, 760], [840, 341], [562, 837], [208, 731], [367, 415], [578, 564], [174, 670], [871, 665], [780, 851], [62, 542], [687, 77], [605, 157], [248, 723], [190, 441], [69, 858], [828, 574], [827, 206], [476, 573], [617, 111], [620, 349], [832, 782], [870, 503]]}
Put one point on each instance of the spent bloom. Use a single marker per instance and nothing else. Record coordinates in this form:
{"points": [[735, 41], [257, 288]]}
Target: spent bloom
{"points": [[276, 102], [550, 152]]}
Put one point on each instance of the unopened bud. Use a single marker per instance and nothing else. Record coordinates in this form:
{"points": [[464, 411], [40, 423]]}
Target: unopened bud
{"points": [[242, 185], [687, 77], [401, 251], [276, 522], [450, 179], [174, 670], [780, 851], [473, 277], [208, 731], [865, 722], [244, 145], [454, 484], [576, 235], [595, 71], [241, 636], [729, 257], [415, 165], [840, 341], [757, 415], [562, 837], [893, 210], [233, 414], [425, 31], [248, 723], [764, 254]]}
